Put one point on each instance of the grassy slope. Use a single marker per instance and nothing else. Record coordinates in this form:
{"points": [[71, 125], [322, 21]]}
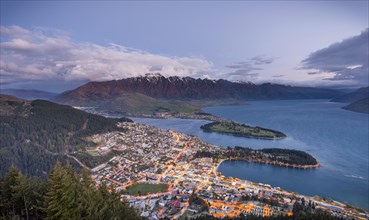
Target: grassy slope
{"points": [[136, 103]]}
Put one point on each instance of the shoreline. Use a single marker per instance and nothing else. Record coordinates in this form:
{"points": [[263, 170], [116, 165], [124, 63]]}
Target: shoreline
{"points": [[220, 162], [215, 119], [276, 164], [246, 136], [308, 197]]}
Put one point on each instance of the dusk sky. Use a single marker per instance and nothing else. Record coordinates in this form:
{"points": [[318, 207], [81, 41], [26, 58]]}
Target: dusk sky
{"points": [[59, 45]]}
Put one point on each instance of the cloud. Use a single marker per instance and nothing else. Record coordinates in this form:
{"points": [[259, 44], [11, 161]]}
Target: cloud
{"points": [[13, 31], [46, 54], [245, 70], [262, 60], [277, 76], [345, 61]]}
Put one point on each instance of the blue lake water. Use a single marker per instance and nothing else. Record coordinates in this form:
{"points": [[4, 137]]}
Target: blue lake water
{"points": [[339, 139]]}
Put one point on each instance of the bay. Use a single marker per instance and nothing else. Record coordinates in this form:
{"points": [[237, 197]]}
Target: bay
{"points": [[336, 137]]}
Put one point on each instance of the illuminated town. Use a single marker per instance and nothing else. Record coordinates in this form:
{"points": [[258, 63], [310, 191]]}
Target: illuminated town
{"points": [[182, 185]]}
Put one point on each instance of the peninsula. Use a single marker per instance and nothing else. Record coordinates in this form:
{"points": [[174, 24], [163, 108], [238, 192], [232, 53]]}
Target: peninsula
{"points": [[243, 130], [273, 156]]}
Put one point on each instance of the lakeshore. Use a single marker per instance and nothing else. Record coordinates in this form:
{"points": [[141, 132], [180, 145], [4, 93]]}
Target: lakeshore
{"points": [[315, 126], [280, 164], [274, 156], [146, 155], [217, 124]]}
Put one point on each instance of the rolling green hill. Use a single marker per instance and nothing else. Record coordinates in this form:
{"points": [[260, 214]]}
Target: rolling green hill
{"points": [[136, 103]]}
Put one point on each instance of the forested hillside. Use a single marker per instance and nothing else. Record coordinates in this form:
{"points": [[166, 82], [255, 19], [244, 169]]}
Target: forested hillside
{"points": [[66, 195], [34, 135]]}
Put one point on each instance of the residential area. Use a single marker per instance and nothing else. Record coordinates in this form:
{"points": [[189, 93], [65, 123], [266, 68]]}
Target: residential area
{"points": [[156, 172]]}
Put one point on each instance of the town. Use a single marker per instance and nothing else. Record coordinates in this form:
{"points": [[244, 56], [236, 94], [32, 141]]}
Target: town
{"points": [[156, 171]]}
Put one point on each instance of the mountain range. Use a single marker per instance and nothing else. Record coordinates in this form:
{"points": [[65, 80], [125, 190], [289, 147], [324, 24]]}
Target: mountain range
{"points": [[358, 99], [361, 106], [173, 93], [29, 94], [354, 96]]}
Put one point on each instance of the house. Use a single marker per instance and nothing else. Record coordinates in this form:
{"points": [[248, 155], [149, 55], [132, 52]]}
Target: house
{"points": [[176, 203]]}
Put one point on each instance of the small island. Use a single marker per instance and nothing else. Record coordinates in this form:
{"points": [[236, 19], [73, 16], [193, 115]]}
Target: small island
{"points": [[243, 130], [274, 156]]}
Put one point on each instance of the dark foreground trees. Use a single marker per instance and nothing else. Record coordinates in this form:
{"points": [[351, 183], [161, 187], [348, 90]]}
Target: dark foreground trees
{"points": [[66, 195]]}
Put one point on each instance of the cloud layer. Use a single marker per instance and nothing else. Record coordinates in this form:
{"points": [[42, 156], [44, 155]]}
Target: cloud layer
{"points": [[41, 54], [245, 70], [47, 55], [346, 61]]}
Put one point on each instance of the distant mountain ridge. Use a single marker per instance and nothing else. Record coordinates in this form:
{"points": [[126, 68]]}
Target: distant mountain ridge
{"points": [[361, 106], [354, 96], [29, 94], [187, 88], [358, 99]]}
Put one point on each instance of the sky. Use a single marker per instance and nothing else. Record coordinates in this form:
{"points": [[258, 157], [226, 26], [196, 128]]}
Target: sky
{"points": [[59, 45]]}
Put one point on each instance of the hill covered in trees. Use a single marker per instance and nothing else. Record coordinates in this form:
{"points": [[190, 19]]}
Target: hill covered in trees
{"points": [[289, 157], [35, 134], [242, 130], [65, 195]]}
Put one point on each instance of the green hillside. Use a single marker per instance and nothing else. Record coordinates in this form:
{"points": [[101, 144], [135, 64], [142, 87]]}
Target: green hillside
{"points": [[34, 135], [136, 103]]}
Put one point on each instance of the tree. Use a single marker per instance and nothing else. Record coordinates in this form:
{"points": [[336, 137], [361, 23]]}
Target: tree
{"points": [[8, 204], [87, 195], [21, 196], [61, 200], [77, 198]]}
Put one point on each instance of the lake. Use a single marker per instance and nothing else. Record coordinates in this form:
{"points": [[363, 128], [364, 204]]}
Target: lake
{"points": [[339, 139]]}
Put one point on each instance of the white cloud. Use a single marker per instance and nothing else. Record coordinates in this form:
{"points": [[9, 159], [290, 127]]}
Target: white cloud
{"points": [[354, 66], [38, 55], [13, 31]]}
